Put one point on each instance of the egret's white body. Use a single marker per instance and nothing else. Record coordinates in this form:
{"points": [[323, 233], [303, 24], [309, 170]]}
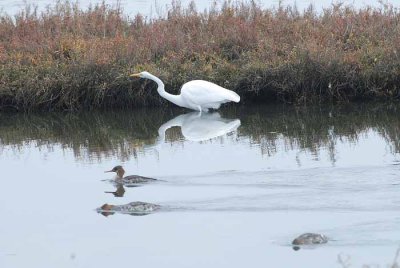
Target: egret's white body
{"points": [[200, 127], [197, 95]]}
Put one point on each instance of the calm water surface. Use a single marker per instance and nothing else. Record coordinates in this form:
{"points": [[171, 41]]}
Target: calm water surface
{"points": [[238, 187], [154, 8]]}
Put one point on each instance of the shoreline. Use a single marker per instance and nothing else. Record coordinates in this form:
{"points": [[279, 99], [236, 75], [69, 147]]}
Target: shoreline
{"points": [[70, 59]]}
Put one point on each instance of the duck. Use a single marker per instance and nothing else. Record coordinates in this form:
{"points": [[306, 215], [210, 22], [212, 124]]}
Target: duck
{"points": [[309, 239], [132, 179], [132, 208]]}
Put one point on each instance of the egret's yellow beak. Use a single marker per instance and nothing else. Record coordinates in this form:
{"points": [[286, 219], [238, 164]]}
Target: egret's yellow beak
{"points": [[135, 75]]}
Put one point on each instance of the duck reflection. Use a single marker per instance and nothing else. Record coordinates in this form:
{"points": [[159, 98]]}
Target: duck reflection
{"points": [[197, 126], [119, 192]]}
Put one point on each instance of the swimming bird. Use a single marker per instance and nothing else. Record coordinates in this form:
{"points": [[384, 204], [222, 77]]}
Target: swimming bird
{"points": [[309, 239], [197, 95], [133, 208], [132, 179]]}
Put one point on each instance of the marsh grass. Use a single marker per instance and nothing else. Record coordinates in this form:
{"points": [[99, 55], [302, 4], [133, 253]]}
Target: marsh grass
{"points": [[68, 58]]}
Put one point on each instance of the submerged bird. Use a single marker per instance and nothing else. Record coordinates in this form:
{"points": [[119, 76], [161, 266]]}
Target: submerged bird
{"points": [[132, 179], [197, 95], [309, 239], [133, 208]]}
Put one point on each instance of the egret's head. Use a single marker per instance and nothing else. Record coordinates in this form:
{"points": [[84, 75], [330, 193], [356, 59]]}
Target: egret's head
{"points": [[141, 75]]}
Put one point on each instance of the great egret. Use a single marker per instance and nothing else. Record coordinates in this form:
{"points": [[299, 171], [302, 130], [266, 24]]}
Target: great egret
{"points": [[197, 95]]}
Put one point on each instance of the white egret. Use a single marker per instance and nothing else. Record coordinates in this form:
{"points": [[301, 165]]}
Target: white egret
{"points": [[197, 95]]}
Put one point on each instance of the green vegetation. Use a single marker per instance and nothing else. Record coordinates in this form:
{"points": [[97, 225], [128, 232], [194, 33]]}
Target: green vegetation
{"points": [[66, 58]]}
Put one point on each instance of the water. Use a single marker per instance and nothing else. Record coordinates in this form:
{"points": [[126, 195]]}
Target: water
{"points": [[151, 8], [238, 187]]}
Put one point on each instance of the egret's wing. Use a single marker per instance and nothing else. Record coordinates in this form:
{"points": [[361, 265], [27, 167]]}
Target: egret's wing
{"points": [[202, 92]]}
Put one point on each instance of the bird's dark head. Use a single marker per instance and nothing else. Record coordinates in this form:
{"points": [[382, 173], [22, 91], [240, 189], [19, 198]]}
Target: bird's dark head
{"points": [[119, 170], [106, 210], [115, 169]]}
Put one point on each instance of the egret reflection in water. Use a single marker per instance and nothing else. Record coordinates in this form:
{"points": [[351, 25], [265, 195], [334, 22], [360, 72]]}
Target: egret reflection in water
{"points": [[197, 126]]}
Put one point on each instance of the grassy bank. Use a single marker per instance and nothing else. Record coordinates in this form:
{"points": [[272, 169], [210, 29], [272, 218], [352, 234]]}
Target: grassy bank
{"points": [[66, 58]]}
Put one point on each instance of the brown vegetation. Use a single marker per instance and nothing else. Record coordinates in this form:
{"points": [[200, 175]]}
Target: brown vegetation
{"points": [[66, 58]]}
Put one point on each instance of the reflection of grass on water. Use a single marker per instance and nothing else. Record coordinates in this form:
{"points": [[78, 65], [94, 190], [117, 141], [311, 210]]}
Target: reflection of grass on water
{"points": [[67, 58], [312, 128], [89, 135], [124, 134]]}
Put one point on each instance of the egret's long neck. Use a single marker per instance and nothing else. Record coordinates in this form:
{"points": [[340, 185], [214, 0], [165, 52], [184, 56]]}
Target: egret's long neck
{"points": [[176, 99]]}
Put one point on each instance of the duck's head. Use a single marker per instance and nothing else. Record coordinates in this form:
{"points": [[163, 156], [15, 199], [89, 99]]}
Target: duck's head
{"points": [[106, 210], [119, 170]]}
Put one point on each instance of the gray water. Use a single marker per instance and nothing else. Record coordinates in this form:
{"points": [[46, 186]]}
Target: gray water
{"points": [[155, 8], [238, 186]]}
